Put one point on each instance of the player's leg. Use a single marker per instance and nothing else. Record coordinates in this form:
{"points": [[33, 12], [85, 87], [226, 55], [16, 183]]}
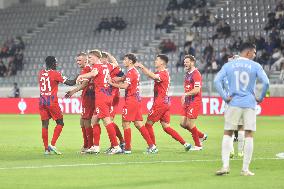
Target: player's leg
{"points": [[174, 134], [241, 140], [118, 133], [127, 136], [44, 135], [149, 126], [96, 134], [249, 127], [96, 130], [84, 135], [89, 132], [195, 134], [112, 135], [144, 132], [232, 116]]}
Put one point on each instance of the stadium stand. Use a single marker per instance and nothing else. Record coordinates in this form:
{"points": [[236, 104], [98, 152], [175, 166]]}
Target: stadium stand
{"points": [[65, 30]]}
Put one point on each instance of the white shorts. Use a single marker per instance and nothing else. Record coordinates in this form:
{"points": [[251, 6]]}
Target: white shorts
{"points": [[235, 115], [241, 120]]}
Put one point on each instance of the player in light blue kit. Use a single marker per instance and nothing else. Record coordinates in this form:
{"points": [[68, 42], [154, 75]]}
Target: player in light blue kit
{"points": [[241, 74]]}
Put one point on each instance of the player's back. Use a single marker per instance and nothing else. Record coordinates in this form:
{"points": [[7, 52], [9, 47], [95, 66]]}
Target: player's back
{"points": [[242, 74], [48, 85], [101, 80], [161, 87]]}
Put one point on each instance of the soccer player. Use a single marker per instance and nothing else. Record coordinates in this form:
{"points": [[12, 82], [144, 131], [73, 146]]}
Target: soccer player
{"points": [[88, 101], [100, 74], [191, 101], [115, 71], [132, 109], [160, 110], [48, 80], [242, 74], [239, 135]]}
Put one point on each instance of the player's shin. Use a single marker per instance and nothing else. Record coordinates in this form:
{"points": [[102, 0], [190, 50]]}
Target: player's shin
{"points": [[227, 145], [150, 129], [44, 135], [248, 150], [56, 134]]}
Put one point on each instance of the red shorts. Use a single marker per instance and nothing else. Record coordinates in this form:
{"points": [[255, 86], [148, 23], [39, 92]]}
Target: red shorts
{"points": [[103, 106], [114, 107], [159, 112], [88, 108], [132, 110], [191, 111], [53, 111]]}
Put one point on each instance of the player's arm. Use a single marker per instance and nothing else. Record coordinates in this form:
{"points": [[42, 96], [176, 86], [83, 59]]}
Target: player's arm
{"points": [[147, 72], [77, 89], [70, 82], [123, 85], [261, 75], [88, 75], [218, 83]]}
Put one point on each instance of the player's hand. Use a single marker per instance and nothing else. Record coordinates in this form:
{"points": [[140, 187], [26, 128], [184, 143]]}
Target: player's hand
{"points": [[257, 100], [228, 99], [79, 78], [139, 65], [69, 94]]}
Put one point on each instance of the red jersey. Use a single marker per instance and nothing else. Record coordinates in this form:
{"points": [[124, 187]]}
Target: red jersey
{"points": [[100, 81], [88, 91], [133, 79], [161, 87], [191, 80], [48, 85]]}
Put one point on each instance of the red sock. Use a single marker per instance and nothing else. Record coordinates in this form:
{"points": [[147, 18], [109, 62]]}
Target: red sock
{"points": [[127, 137], [89, 134], [174, 134], [96, 134], [200, 134], [44, 136], [144, 132], [118, 133], [84, 137], [111, 134], [56, 134], [150, 129], [195, 136]]}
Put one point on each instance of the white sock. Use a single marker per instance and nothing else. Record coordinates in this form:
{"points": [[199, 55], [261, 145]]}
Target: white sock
{"points": [[248, 150], [241, 137], [227, 146]]}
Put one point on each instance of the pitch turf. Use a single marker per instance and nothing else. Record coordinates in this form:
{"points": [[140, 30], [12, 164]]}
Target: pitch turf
{"points": [[23, 165]]}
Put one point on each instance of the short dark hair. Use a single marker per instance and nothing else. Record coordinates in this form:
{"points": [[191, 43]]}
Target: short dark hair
{"points": [[104, 54], [247, 45], [191, 57], [50, 61], [132, 57], [164, 58]]}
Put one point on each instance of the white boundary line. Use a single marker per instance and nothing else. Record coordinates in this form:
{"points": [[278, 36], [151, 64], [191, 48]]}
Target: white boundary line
{"points": [[126, 163]]}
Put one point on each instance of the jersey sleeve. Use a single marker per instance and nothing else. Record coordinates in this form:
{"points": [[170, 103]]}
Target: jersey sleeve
{"points": [[85, 70], [57, 76], [161, 76], [114, 72]]}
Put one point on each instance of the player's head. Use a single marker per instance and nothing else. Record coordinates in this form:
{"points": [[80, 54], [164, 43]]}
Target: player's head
{"points": [[233, 57], [50, 63], [189, 62], [81, 59], [129, 59], [104, 58], [248, 50], [94, 56], [161, 61]]}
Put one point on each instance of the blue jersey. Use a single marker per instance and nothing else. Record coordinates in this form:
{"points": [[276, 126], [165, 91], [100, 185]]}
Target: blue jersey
{"points": [[241, 74]]}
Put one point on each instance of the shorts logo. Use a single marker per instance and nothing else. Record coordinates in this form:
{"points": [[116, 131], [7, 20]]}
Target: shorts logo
{"points": [[97, 110], [124, 112]]}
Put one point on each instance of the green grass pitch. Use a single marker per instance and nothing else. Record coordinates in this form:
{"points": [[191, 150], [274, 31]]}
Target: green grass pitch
{"points": [[23, 165]]}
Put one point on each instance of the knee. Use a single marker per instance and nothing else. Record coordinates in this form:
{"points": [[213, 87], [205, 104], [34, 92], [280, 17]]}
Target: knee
{"points": [[60, 122]]}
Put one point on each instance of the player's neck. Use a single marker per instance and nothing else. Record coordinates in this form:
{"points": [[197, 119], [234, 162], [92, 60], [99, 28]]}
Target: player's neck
{"points": [[191, 69], [130, 67]]}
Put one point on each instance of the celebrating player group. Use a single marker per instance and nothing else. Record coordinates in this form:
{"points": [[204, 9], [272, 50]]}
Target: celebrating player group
{"points": [[100, 80]]}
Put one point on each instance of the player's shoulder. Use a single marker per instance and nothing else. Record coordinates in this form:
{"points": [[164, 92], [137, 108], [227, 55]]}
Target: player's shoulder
{"points": [[196, 72]]}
